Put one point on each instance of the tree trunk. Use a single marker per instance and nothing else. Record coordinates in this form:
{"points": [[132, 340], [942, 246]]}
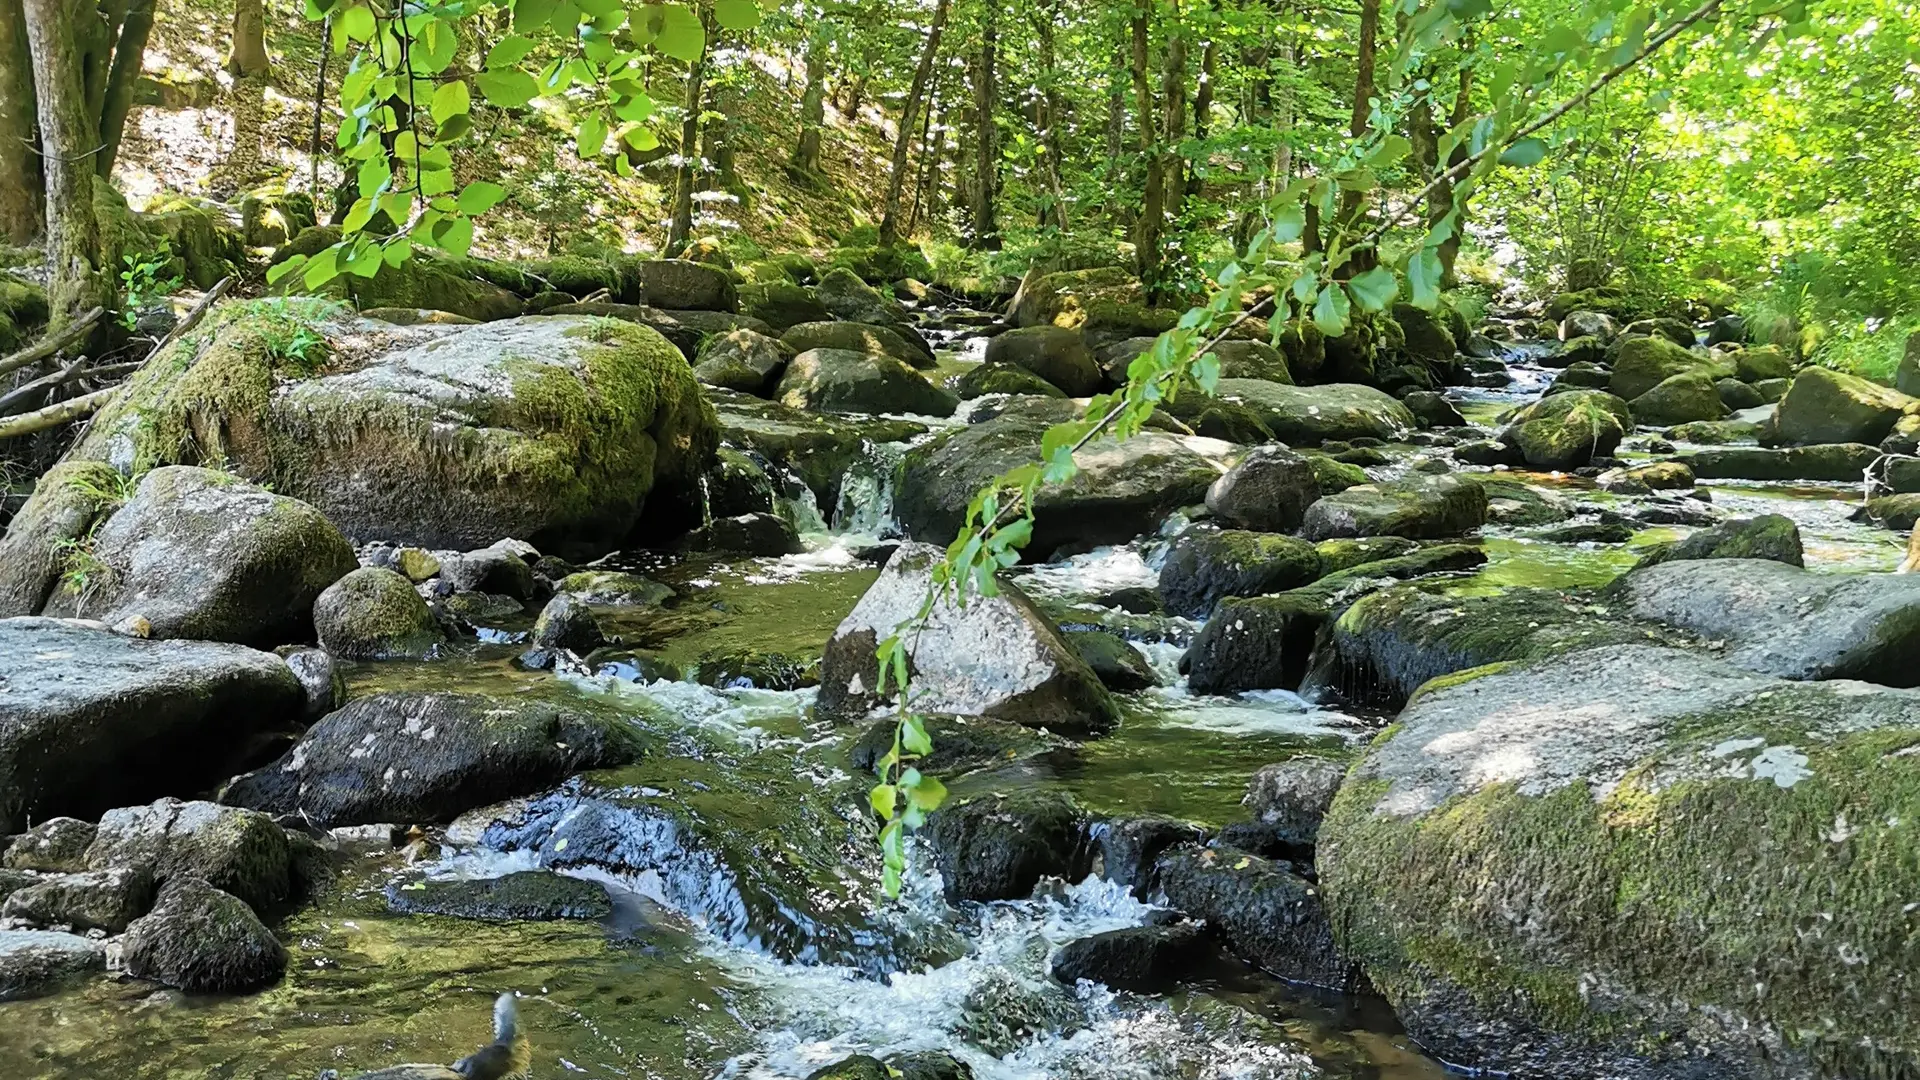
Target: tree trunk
{"points": [[681, 229], [929, 157], [1116, 110], [1440, 203], [1353, 203], [903, 140], [250, 68], [1146, 229], [124, 77], [61, 34], [1054, 209], [986, 142], [22, 206], [1203, 105], [813, 106], [1173, 93]]}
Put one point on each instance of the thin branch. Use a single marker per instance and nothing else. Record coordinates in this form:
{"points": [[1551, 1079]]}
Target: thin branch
{"points": [[52, 343], [54, 415], [25, 392]]}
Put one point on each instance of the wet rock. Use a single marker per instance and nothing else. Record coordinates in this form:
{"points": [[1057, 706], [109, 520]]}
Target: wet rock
{"points": [[1490, 453], [1630, 805], [763, 535], [1420, 508], [1130, 848], [34, 963], [1293, 795], [427, 757], [1569, 430], [1143, 959], [1204, 565], [373, 614], [859, 338], [1310, 415], [1004, 379], [325, 687], [1592, 324], [568, 624], [90, 719], [847, 297], [997, 847], [1029, 676], [500, 570], [1727, 330], [737, 669], [610, 588], [1674, 330], [859, 1067], [840, 381], [1898, 512], [781, 304], [1642, 363], [1265, 912], [960, 744], [1681, 399], [1778, 619], [1825, 406], [237, 851], [1665, 475], [1594, 533], [1739, 396], [1583, 350], [1347, 553], [1769, 536], [526, 896], [1268, 490], [1119, 666], [105, 900], [202, 555], [819, 450], [929, 1065], [740, 360], [1838, 461], [678, 284], [1055, 354], [54, 846], [1581, 375], [1432, 410], [203, 941]]}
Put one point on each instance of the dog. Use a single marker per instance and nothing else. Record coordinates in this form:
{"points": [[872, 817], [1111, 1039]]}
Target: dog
{"points": [[507, 1056]]}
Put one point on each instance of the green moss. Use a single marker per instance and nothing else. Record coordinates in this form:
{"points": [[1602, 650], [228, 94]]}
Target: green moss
{"points": [[1335, 477]]}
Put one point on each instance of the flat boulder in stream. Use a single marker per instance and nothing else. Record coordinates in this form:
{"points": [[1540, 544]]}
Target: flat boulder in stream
{"points": [[34, 963], [1262, 909], [999, 657], [1144, 959], [1311, 415], [1768, 536], [1824, 406], [996, 847], [1418, 508], [1846, 462], [90, 719], [428, 757], [1204, 565], [525, 896], [843, 381], [1641, 862]]}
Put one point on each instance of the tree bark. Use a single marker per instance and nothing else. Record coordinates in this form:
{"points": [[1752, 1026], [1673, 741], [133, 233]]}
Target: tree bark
{"points": [[813, 106], [1054, 210], [929, 157], [1146, 229], [985, 188], [1203, 104], [22, 205], [681, 228], [903, 140], [1353, 203], [248, 64], [1173, 93], [60, 34], [123, 78]]}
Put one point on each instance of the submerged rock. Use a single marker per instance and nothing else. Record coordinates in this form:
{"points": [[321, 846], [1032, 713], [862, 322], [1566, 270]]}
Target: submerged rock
{"points": [[526, 896], [1648, 821], [997, 847], [1144, 959], [203, 941], [1264, 911]]}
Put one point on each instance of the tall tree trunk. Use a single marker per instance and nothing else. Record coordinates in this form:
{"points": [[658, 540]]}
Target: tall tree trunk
{"points": [[1441, 201], [1353, 203], [1054, 209], [903, 141], [1173, 93], [250, 68], [1146, 229], [1203, 104], [22, 205], [123, 78], [813, 106], [681, 228], [929, 157], [62, 34], [985, 188]]}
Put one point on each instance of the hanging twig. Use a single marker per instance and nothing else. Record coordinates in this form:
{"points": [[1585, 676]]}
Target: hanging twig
{"points": [[52, 343]]}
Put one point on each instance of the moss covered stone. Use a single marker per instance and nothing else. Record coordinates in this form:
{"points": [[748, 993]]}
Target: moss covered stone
{"points": [[1566, 431], [1058, 355], [1769, 536], [1681, 399], [1635, 861], [1417, 507], [23, 309], [373, 614], [1763, 362], [49, 532], [844, 381], [856, 337], [1642, 362], [781, 304], [1825, 406], [526, 896], [1108, 301], [1838, 461], [1004, 379], [1205, 565], [1310, 415]]}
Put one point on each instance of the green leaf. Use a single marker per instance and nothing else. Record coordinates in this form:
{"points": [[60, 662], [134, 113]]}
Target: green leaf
{"points": [[366, 261], [591, 137], [358, 216], [1423, 276], [1330, 312], [1374, 289], [481, 196], [884, 798], [457, 239], [680, 36], [282, 269], [532, 15], [507, 89], [450, 100], [1290, 223], [320, 268], [1390, 151], [913, 736], [398, 250], [1206, 371], [736, 14], [434, 48], [510, 51], [641, 138], [890, 882], [1526, 153], [634, 108], [927, 795], [357, 23]]}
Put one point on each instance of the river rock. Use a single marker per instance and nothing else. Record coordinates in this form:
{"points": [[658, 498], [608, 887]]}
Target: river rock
{"points": [[1727, 330], [999, 847], [1292, 796], [241, 852], [1055, 354], [1825, 406], [1119, 665], [1204, 565], [91, 719], [1130, 848], [819, 450], [1641, 363], [203, 941], [858, 1067], [1679, 332], [427, 757], [1029, 675], [1263, 910], [1106, 302], [1432, 409], [500, 570], [524, 896], [1418, 507], [1583, 351], [1683, 398], [1763, 362], [1568, 430], [1268, 490], [54, 846], [104, 900], [857, 337], [569, 624], [781, 304], [928, 1065], [840, 381], [846, 296], [374, 614], [686, 330], [1739, 397], [740, 360], [1003, 379], [1591, 324], [1250, 360], [37, 962], [1311, 415], [608, 588], [1588, 865], [1143, 959], [1778, 619], [1123, 488], [678, 284], [762, 534], [320, 678], [1769, 536], [202, 555], [1835, 461], [429, 283]]}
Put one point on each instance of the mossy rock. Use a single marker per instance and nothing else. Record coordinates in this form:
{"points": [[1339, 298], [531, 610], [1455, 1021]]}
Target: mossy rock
{"points": [[1684, 398], [23, 310], [1642, 362], [1762, 362], [1310, 415], [374, 614], [1667, 822], [781, 304], [580, 276], [1416, 507], [1003, 379], [208, 243], [436, 283], [1109, 300], [1566, 431], [856, 337], [1837, 461], [43, 538], [880, 266], [1716, 432], [843, 381], [1825, 406], [1769, 536], [525, 896], [1205, 565]]}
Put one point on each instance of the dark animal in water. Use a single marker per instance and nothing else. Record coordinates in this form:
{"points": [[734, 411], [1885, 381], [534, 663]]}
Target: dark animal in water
{"points": [[507, 1056]]}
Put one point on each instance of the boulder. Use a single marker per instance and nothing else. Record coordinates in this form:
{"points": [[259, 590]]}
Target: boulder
{"points": [[375, 614], [499, 569], [429, 282], [1418, 507], [1589, 324], [91, 719], [428, 757], [1582, 375], [1029, 675], [1716, 432], [685, 330], [1143, 959], [1346, 553], [1840, 461], [560, 431], [103, 900], [928, 1065], [1427, 335], [1311, 415], [320, 678], [1679, 332], [1119, 665], [1251, 360], [1004, 379], [1264, 911], [568, 624], [840, 381], [1204, 565], [1567, 431], [1268, 490], [819, 449], [1643, 362], [1778, 619], [203, 941], [37, 551], [1679, 400], [34, 963], [1433, 410], [524, 896], [1584, 351], [608, 588], [1769, 536], [1293, 796], [1056, 354], [1106, 302], [996, 847], [241, 852], [740, 360], [54, 846], [1762, 362], [1131, 847], [1589, 864], [1727, 330], [1825, 406], [682, 285], [199, 554], [1738, 396], [1123, 488], [857, 337], [847, 297], [781, 305]]}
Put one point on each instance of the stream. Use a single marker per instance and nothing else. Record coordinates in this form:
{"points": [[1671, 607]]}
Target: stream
{"points": [[762, 949]]}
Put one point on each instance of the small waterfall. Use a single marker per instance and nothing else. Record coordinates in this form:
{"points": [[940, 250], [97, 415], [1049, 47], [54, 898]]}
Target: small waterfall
{"points": [[794, 500], [865, 507]]}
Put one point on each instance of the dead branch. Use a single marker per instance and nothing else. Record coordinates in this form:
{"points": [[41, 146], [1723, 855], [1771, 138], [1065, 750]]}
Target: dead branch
{"points": [[52, 343], [54, 415]]}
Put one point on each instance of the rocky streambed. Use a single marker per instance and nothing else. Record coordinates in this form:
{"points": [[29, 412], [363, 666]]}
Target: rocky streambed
{"points": [[1597, 677]]}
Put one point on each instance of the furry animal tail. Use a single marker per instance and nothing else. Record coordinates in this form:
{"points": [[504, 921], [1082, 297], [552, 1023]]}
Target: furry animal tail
{"points": [[508, 1055], [506, 1018]]}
